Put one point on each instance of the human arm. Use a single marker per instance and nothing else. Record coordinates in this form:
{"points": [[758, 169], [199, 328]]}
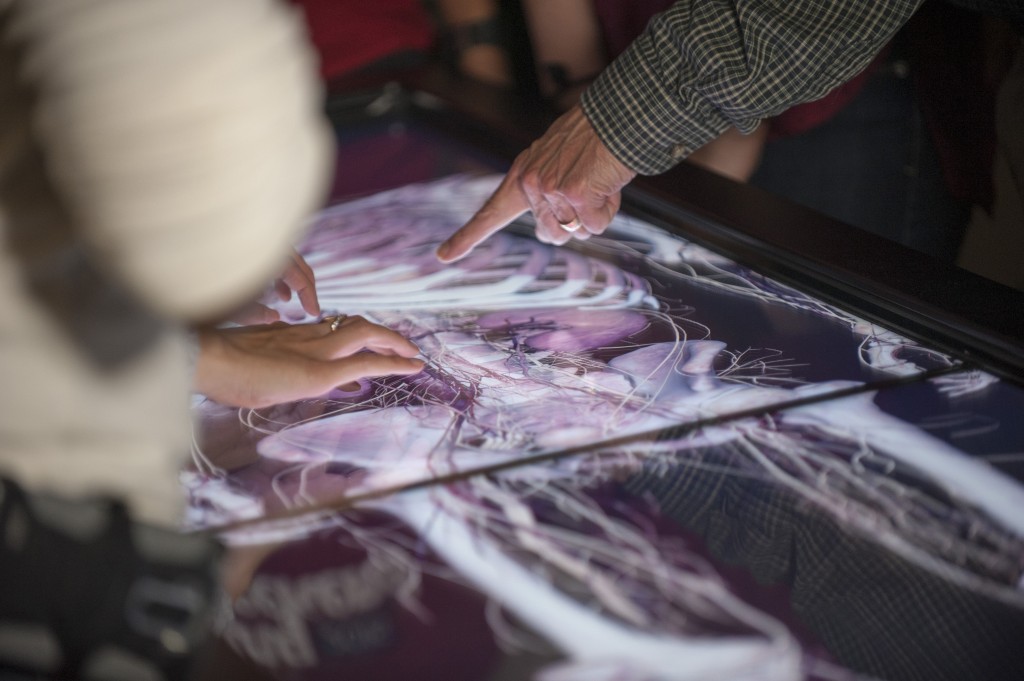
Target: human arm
{"points": [[697, 69], [566, 39], [154, 174], [258, 366], [188, 163], [700, 67], [470, 33]]}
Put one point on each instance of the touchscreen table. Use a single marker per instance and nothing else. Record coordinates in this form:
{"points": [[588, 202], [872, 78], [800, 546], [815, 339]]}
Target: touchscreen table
{"points": [[627, 458]]}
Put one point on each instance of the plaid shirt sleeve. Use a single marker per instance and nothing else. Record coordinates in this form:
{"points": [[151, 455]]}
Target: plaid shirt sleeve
{"points": [[704, 65]]}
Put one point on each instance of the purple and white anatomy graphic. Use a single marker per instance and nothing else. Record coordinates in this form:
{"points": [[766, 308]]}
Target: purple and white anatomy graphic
{"points": [[598, 528]]}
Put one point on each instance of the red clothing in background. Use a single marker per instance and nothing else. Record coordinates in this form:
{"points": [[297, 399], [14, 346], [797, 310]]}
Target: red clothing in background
{"points": [[352, 34]]}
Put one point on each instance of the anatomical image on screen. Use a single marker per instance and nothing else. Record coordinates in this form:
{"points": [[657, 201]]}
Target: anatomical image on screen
{"points": [[629, 458]]}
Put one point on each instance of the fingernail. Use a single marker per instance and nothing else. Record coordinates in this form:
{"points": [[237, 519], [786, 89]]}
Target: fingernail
{"points": [[443, 250]]}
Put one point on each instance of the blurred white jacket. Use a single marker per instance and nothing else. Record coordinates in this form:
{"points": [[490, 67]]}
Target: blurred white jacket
{"points": [[157, 160]]}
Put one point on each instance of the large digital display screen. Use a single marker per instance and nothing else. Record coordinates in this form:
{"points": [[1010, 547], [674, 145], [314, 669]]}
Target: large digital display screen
{"points": [[630, 458]]}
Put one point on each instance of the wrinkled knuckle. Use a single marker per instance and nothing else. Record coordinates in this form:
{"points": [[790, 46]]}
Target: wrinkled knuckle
{"points": [[576, 190], [550, 183], [531, 178]]}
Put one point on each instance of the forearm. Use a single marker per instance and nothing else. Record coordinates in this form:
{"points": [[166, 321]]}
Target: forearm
{"points": [[187, 162], [471, 28], [703, 66], [567, 45]]}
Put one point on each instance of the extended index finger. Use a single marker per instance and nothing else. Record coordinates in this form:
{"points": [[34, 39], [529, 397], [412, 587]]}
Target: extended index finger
{"points": [[506, 204]]}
